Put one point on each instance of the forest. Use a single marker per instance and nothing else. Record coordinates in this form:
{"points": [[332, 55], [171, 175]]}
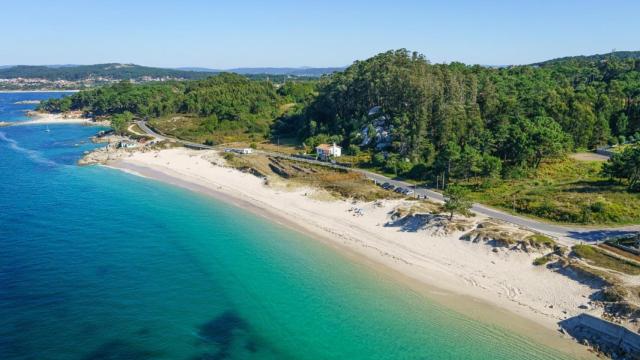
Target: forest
{"points": [[414, 118], [458, 121]]}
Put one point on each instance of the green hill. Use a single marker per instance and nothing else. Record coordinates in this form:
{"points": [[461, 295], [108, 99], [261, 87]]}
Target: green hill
{"points": [[113, 71], [617, 55]]}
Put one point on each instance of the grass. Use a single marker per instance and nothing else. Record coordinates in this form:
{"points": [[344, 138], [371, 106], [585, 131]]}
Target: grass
{"points": [[620, 252], [600, 258], [542, 260], [540, 241], [190, 127], [566, 191], [340, 183]]}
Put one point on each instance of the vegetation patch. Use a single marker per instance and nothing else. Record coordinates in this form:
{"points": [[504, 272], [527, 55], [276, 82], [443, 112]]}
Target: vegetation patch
{"points": [[540, 241], [499, 234], [341, 183], [542, 260], [566, 191], [603, 259]]}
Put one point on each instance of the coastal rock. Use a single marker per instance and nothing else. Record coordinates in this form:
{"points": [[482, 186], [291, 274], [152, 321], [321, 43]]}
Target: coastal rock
{"points": [[102, 156]]}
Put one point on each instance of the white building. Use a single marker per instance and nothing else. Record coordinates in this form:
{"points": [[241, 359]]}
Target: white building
{"points": [[324, 151], [127, 144]]}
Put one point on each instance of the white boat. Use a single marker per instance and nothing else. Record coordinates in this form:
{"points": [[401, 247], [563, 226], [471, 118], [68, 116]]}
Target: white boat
{"points": [[47, 129]]}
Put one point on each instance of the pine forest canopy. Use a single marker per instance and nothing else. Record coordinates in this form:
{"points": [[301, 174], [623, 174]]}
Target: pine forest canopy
{"points": [[413, 116]]}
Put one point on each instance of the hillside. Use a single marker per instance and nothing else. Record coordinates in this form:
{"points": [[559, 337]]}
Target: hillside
{"points": [[292, 71], [617, 55], [222, 106], [53, 77], [113, 71], [399, 114]]}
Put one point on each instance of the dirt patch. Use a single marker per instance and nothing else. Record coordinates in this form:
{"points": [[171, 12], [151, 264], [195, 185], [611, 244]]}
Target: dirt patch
{"points": [[588, 156]]}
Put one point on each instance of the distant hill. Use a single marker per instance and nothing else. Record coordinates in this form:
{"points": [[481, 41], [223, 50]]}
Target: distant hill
{"points": [[112, 71], [116, 71], [293, 71], [620, 55]]}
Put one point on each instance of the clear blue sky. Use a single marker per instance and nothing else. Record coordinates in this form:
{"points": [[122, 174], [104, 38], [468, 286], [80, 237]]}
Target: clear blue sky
{"points": [[225, 34]]}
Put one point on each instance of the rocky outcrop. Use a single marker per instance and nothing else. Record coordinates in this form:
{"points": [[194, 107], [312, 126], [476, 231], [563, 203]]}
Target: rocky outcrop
{"points": [[102, 156]]}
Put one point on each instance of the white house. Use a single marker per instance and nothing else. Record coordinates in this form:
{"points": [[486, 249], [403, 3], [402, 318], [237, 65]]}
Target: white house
{"points": [[127, 144], [324, 151]]}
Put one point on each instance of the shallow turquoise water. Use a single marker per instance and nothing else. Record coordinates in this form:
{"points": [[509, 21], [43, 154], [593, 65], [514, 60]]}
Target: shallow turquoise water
{"points": [[98, 264]]}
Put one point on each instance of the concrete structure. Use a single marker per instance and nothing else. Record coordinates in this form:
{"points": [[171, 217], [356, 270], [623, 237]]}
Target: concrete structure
{"points": [[613, 339], [325, 151]]}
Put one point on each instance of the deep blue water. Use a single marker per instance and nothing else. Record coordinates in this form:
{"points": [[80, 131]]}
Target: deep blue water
{"points": [[98, 264]]}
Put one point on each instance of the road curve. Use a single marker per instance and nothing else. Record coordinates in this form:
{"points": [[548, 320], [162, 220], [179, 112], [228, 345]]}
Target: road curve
{"points": [[562, 232]]}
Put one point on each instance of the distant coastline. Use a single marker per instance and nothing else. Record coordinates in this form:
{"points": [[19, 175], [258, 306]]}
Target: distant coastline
{"points": [[38, 91]]}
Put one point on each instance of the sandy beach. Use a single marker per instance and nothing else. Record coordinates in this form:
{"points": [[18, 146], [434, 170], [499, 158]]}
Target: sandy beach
{"points": [[50, 119], [504, 279]]}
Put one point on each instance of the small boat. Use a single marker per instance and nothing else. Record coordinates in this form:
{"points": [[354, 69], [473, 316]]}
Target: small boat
{"points": [[47, 129]]}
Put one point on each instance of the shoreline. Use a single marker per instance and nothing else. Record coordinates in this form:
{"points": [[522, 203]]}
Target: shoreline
{"points": [[37, 91], [52, 119], [440, 281]]}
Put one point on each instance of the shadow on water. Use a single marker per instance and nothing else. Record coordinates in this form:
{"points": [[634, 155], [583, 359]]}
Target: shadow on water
{"points": [[223, 332], [121, 350], [228, 336]]}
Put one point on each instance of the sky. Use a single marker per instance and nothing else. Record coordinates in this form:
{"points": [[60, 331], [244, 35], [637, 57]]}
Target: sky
{"points": [[286, 33]]}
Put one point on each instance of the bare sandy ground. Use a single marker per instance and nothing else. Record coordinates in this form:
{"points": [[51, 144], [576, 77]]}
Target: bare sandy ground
{"points": [[469, 277], [589, 156], [43, 118]]}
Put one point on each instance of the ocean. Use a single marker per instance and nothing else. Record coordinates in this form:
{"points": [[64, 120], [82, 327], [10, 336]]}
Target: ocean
{"points": [[100, 264]]}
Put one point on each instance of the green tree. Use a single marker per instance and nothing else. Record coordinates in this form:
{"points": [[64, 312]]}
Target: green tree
{"points": [[120, 122], [547, 140], [456, 200], [625, 166], [353, 150]]}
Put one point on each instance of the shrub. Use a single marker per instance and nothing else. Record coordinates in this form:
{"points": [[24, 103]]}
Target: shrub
{"points": [[228, 156], [539, 240], [353, 150], [614, 293], [598, 207], [541, 260]]}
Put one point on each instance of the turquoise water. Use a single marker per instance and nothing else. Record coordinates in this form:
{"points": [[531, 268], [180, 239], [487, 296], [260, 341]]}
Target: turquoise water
{"points": [[98, 264]]}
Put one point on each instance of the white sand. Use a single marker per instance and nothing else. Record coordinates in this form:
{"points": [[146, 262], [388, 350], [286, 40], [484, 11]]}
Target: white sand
{"points": [[45, 118], [506, 279]]}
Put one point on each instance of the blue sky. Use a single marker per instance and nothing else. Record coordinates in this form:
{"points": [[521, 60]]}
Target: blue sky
{"points": [[226, 34]]}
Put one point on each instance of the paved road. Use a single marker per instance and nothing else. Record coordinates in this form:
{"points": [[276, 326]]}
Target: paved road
{"points": [[563, 232]]}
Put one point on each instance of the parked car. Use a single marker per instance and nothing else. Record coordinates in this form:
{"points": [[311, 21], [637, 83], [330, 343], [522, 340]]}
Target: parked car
{"points": [[408, 192], [399, 190]]}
